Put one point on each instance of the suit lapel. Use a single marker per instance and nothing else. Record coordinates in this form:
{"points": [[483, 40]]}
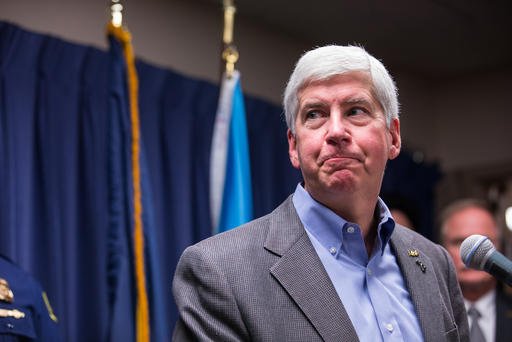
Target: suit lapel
{"points": [[301, 273], [423, 286]]}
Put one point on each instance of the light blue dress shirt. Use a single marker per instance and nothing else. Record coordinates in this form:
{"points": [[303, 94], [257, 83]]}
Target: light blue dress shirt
{"points": [[372, 289]]}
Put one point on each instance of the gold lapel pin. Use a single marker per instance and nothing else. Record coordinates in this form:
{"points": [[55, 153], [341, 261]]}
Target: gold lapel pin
{"points": [[413, 253], [6, 294]]}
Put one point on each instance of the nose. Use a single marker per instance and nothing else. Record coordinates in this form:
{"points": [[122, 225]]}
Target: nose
{"points": [[338, 131]]}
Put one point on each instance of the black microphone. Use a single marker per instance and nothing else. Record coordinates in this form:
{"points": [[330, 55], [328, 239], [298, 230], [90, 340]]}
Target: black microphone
{"points": [[478, 252]]}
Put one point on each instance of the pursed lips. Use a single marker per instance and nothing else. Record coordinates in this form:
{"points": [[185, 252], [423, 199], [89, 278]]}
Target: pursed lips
{"points": [[339, 158]]}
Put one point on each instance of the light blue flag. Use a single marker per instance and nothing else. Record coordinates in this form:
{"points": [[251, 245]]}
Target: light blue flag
{"points": [[230, 171]]}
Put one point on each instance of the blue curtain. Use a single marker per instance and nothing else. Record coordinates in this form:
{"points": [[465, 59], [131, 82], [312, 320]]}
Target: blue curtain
{"points": [[54, 152], [409, 185], [54, 181]]}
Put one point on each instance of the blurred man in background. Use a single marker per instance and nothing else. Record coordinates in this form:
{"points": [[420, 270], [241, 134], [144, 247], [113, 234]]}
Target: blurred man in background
{"points": [[402, 210], [489, 308]]}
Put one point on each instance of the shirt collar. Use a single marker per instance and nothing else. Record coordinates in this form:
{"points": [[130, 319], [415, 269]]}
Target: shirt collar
{"points": [[327, 226], [482, 303]]}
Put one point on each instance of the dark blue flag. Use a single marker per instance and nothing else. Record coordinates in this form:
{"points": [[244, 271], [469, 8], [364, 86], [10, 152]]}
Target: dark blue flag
{"points": [[135, 297]]}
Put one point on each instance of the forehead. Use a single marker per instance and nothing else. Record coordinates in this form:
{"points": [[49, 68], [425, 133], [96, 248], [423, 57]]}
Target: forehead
{"points": [[469, 221], [356, 83]]}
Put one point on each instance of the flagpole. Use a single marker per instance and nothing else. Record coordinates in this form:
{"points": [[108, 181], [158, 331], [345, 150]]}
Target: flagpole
{"points": [[230, 53], [230, 176]]}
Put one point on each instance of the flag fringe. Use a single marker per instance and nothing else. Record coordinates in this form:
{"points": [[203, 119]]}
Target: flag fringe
{"points": [[142, 311]]}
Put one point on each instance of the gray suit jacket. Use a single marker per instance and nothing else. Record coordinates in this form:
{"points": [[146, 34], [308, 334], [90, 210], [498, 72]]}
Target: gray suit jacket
{"points": [[264, 282]]}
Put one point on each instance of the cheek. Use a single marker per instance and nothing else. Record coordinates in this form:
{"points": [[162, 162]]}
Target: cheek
{"points": [[380, 132], [377, 148], [309, 146], [454, 252]]}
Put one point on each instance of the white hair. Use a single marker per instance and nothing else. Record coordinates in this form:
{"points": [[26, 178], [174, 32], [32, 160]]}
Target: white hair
{"points": [[331, 60]]}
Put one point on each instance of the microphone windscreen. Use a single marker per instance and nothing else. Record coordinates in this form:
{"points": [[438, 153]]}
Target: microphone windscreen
{"points": [[474, 249]]}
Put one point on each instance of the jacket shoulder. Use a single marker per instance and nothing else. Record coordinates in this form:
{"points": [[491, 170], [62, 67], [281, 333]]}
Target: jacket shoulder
{"points": [[252, 233]]}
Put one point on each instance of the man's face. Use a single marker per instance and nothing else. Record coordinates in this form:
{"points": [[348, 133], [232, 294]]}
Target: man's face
{"points": [[457, 228], [342, 142]]}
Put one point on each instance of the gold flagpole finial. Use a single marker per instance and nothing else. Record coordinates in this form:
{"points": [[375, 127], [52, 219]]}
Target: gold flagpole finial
{"points": [[230, 54], [116, 10], [229, 19]]}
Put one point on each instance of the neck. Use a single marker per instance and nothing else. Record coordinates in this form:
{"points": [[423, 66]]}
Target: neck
{"points": [[369, 239], [359, 208], [363, 213], [359, 211]]}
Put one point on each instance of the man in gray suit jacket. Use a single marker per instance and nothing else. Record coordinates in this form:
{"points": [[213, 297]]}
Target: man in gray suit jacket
{"points": [[329, 264]]}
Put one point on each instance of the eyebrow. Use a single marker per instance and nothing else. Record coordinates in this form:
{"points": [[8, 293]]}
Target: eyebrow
{"points": [[314, 104], [357, 100], [349, 101]]}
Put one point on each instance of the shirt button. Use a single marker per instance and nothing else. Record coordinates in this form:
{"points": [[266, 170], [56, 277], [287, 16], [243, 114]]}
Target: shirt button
{"points": [[389, 327], [10, 326], [350, 229], [369, 271], [332, 250]]}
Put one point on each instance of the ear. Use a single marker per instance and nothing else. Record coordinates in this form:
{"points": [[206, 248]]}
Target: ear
{"points": [[292, 149], [396, 141]]}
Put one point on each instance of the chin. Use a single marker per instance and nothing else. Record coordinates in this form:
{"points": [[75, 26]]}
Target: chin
{"points": [[341, 180], [475, 283], [343, 186]]}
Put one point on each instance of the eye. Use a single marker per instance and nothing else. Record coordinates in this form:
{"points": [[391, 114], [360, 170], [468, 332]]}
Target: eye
{"points": [[314, 114], [314, 118], [356, 111]]}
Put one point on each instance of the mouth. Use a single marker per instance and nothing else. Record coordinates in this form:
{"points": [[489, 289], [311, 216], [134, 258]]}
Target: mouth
{"points": [[339, 159], [340, 163]]}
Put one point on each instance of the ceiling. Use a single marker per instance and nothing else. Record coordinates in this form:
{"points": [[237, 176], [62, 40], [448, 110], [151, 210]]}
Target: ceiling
{"points": [[433, 37]]}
